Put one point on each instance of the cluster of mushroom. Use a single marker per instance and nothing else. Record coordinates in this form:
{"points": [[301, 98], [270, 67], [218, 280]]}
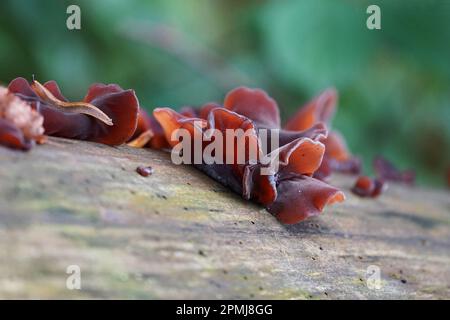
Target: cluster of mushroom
{"points": [[308, 152]]}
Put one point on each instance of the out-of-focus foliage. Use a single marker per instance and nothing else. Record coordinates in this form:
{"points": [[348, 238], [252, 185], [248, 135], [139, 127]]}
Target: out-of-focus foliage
{"points": [[394, 83]]}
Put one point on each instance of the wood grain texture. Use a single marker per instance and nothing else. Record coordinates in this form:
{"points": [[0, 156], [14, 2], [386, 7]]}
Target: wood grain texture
{"points": [[178, 234]]}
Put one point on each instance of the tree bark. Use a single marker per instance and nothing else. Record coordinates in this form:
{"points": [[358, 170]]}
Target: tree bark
{"points": [[178, 234]]}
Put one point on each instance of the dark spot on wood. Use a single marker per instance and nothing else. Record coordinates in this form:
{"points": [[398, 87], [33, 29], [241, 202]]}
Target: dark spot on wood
{"points": [[144, 171], [245, 277], [313, 258], [320, 248], [403, 281], [240, 242], [261, 288], [253, 222], [325, 293], [185, 208], [215, 283], [202, 253]]}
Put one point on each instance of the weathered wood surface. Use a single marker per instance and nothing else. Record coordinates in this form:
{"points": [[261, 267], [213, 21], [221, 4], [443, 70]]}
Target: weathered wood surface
{"points": [[178, 234]]}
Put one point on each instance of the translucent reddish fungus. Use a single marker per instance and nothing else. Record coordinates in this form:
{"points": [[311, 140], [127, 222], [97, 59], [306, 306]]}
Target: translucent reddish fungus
{"points": [[144, 171], [387, 171], [149, 124], [290, 192], [368, 187], [337, 157], [107, 114], [20, 125]]}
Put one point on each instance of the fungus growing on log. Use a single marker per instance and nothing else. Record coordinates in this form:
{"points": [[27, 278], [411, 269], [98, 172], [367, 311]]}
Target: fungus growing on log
{"points": [[284, 173], [337, 157], [144, 171], [387, 171], [147, 126], [368, 187], [107, 114], [289, 190], [20, 125]]}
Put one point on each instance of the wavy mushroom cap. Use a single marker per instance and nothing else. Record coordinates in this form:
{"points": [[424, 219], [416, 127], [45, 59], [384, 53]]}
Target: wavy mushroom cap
{"points": [[288, 189], [120, 105]]}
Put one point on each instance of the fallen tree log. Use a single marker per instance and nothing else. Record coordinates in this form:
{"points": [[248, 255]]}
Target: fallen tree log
{"points": [[178, 234]]}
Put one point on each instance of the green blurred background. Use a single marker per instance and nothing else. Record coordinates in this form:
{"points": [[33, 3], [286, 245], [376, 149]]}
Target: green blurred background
{"points": [[394, 83]]}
